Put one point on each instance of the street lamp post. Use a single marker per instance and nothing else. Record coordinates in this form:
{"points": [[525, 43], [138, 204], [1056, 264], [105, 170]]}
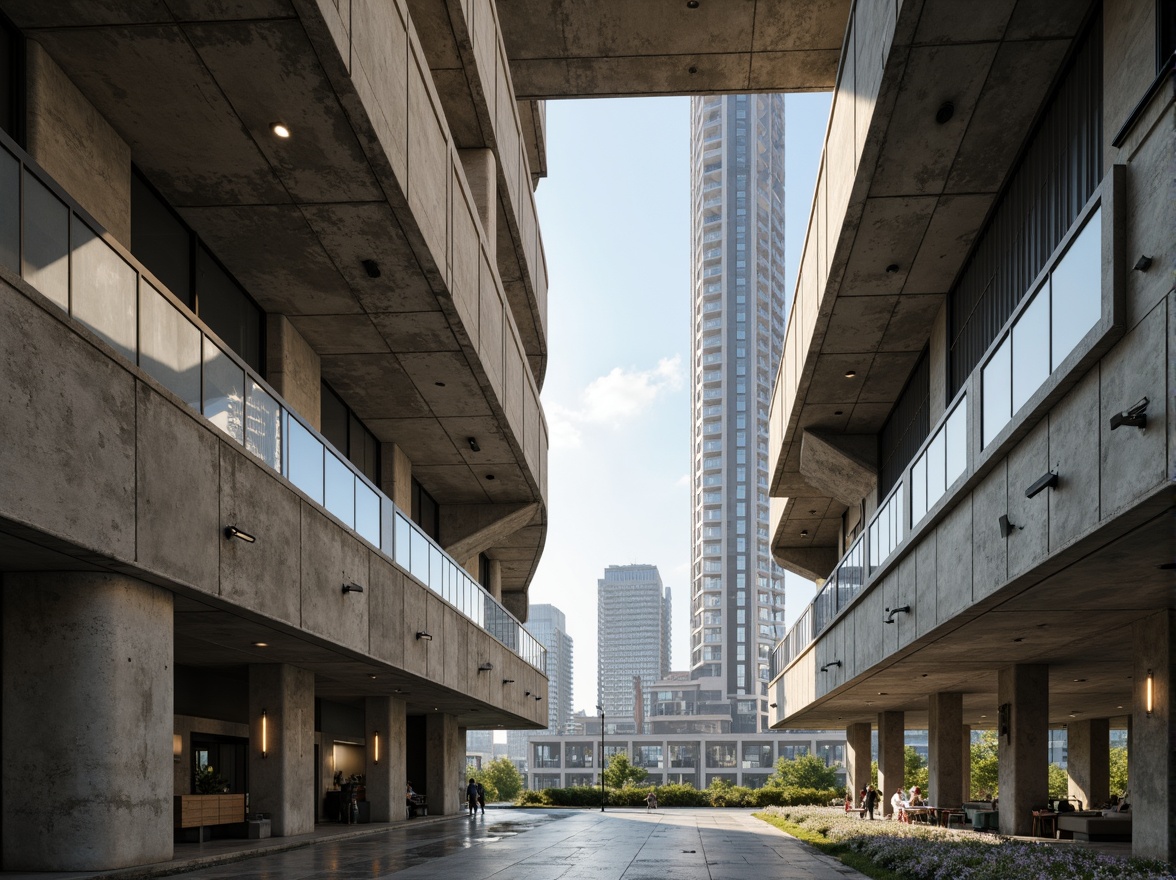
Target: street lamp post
{"points": [[600, 709]]}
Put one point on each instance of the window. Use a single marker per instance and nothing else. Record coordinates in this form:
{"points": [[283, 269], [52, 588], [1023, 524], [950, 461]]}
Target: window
{"points": [[11, 86], [425, 511], [547, 755], [348, 434]]}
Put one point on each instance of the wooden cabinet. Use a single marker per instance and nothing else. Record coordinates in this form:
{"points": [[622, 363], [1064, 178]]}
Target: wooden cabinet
{"points": [[197, 810]]}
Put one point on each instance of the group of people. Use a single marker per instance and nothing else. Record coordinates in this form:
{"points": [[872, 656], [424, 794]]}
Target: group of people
{"points": [[899, 801], [476, 795]]}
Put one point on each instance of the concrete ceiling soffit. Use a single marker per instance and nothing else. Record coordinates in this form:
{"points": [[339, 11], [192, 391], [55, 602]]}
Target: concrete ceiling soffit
{"points": [[470, 529], [841, 466]]}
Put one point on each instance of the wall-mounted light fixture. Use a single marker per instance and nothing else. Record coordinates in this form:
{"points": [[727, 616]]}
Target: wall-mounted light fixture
{"points": [[474, 447], [376, 747], [890, 612], [1048, 481], [486, 667], [371, 267], [538, 698], [1149, 694], [836, 663], [352, 587], [1006, 527], [508, 681], [1136, 417], [526, 693], [177, 746], [421, 634], [1004, 723], [1143, 263], [771, 705], [264, 734], [234, 532]]}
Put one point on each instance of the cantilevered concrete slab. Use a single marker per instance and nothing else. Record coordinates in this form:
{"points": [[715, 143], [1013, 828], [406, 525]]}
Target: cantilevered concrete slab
{"points": [[578, 48]]}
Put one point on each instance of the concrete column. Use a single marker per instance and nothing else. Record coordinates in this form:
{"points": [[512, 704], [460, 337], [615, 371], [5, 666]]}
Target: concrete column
{"points": [[481, 172], [396, 476], [281, 782], [294, 369], [386, 773], [495, 586], [1153, 787], [857, 757], [966, 759], [444, 764], [88, 705], [1089, 761], [891, 764], [945, 717], [1023, 750]]}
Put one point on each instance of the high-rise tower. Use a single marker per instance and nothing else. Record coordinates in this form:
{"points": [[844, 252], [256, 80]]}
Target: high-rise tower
{"points": [[633, 638], [739, 308], [548, 624]]}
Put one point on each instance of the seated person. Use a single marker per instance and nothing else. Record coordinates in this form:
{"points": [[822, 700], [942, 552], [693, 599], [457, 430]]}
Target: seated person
{"points": [[916, 798], [898, 804]]}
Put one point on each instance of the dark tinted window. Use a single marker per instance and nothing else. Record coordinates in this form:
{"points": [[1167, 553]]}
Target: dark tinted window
{"points": [[10, 78], [227, 309], [160, 240], [425, 512], [334, 417]]}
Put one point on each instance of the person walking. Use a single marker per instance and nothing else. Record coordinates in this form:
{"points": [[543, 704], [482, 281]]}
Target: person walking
{"points": [[482, 798], [472, 796], [871, 800], [651, 801]]}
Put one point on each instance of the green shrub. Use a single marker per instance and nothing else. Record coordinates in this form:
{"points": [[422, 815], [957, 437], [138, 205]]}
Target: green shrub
{"points": [[722, 794], [534, 798]]}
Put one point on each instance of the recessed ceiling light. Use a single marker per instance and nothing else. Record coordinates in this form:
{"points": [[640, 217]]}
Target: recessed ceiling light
{"points": [[691, 4], [849, 374], [261, 644], [804, 533], [882, 693], [280, 130], [1118, 707], [945, 112], [372, 676], [892, 268], [983, 716], [1080, 679]]}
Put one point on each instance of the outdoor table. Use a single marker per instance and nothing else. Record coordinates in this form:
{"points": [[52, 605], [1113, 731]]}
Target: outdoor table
{"points": [[920, 814]]}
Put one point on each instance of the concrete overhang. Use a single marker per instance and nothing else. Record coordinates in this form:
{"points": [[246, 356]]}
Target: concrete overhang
{"points": [[1073, 613], [194, 89], [900, 199], [581, 49]]}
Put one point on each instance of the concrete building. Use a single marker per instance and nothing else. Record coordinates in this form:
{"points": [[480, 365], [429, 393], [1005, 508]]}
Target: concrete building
{"points": [[549, 627], [738, 308], [972, 426], [632, 639], [695, 759]]}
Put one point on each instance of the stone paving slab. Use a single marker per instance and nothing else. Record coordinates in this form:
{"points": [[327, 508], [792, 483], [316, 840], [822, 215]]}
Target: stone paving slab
{"points": [[532, 844]]}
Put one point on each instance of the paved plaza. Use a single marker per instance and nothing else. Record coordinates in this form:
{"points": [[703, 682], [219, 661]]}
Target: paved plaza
{"points": [[678, 844]]}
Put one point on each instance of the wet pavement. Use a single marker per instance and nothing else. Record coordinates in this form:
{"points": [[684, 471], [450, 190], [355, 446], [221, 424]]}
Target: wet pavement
{"points": [[535, 844]]}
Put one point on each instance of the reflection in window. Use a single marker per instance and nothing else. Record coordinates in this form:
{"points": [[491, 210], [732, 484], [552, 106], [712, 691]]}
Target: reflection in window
{"points": [[1077, 290], [104, 292], [306, 460], [263, 426], [169, 346], [997, 379], [1030, 366], [942, 462], [224, 391], [340, 489], [46, 241], [403, 541]]}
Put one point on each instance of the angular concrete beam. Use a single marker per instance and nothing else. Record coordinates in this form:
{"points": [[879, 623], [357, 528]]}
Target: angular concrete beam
{"points": [[470, 529], [809, 562], [843, 466]]}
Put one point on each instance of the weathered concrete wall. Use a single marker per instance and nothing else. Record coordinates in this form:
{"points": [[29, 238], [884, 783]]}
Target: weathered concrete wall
{"points": [[446, 764], [281, 780], [71, 141], [87, 726], [945, 783]]}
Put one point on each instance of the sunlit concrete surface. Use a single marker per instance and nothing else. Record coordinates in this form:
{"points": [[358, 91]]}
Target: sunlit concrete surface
{"points": [[703, 844]]}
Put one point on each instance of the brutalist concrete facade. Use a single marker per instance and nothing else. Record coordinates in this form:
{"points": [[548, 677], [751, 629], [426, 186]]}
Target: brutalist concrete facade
{"points": [[972, 424]]}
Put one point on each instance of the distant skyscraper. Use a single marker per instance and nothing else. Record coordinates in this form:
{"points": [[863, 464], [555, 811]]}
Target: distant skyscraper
{"points": [[739, 308], [633, 636], [547, 624]]}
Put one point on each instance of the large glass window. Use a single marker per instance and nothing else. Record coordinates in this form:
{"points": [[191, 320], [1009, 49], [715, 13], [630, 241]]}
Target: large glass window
{"points": [[1076, 290], [224, 391], [160, 240], [720, 754], [224, 306], [649, 757], [757, 754], [578, 754], [546, 755]]}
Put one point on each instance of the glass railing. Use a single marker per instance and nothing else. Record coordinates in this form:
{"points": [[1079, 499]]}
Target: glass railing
{"points": [[48, 240], [942, 461], [886, 529]]}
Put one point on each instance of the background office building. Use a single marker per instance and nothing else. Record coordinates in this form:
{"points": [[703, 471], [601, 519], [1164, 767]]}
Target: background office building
{"points": [[972, 424], [632, 638], [739, 306], [549, 627]]}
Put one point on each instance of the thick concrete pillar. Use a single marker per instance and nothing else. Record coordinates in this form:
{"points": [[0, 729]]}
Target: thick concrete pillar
{"points": [[1023, 749], [88, 689], [386, 773], [444, 763], [294, 369], [281, 717], [966, 759], [891, 764], [1089, 761], [1153, 755], [396, 476], [857, 757], [945, 717]]}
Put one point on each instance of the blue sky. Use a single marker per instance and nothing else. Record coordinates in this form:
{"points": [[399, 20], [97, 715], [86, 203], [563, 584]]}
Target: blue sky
{"points": [[614, 210]]}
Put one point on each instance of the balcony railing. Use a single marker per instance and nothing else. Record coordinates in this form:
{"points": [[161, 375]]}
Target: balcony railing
{"points": [[54, 245]]}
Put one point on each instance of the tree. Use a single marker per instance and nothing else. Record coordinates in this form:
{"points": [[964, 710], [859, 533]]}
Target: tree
{"points": [[1119, 771], [1059, 781], [806, 771], [619, 773], [914, 770], [501, 776], [985, 772]]}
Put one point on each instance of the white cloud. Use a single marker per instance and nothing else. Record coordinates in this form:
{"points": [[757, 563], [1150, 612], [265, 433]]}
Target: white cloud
{"points": [[612, 400]]}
